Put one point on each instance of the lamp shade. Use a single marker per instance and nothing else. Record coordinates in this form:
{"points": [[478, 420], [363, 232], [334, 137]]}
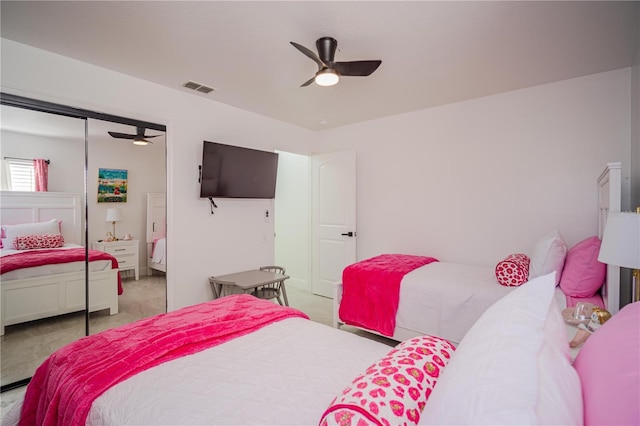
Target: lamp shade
{"points": [[621, 240], [113, 215]]}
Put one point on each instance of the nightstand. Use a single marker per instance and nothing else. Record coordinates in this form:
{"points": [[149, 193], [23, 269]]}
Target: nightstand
{"points": [[125, 252]]}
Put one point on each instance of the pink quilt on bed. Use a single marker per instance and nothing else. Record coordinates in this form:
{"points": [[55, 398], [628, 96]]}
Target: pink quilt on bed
{"points": [[66, 384], [371, 290], [32, 258]]}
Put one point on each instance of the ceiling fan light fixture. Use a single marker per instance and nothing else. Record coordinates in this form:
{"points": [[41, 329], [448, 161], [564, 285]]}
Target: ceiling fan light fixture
{"points": [[140, 141], [327, 77]]}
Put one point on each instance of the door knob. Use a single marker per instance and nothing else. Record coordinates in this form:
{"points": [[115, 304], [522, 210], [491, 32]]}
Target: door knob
{"points": [[349, 234]]}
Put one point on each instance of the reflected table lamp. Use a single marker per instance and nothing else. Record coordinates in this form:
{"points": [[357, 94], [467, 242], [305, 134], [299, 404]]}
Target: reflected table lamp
{"points": [[114, 215], [621, 245]]}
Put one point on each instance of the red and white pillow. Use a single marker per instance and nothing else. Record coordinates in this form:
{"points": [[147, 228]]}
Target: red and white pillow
{"points": [[8, 233], [513, 270], [31, 242], [395, 389]]}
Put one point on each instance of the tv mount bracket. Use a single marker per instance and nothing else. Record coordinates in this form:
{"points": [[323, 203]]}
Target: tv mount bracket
{"points": [[213, 204]]}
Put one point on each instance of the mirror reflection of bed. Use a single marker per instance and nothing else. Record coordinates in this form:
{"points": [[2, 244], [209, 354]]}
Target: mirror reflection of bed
{"points": [[156, 232]]}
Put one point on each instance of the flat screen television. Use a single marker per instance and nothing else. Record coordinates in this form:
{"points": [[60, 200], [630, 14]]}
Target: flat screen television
{"points": [[235, 172]]}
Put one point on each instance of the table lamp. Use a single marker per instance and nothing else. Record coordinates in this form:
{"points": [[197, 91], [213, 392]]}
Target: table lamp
{"points": [[621, 245], [114, 215]]}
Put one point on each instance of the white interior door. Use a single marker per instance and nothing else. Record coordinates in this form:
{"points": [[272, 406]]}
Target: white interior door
{"points": [[334, 218]]}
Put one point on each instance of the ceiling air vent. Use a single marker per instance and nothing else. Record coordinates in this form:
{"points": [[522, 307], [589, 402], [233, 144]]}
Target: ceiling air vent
{"points": [[198, 87]]}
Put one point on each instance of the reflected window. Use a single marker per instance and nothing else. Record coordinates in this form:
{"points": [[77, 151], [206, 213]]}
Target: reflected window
{"points": [[19, 175]]}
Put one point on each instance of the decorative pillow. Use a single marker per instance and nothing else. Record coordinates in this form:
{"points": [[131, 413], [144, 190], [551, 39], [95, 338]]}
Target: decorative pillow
{"points": [[583, 274], [10, 232], [548, 256], [512, 366], [513, 270], [395, 389], [610, 372], [30, 242]]}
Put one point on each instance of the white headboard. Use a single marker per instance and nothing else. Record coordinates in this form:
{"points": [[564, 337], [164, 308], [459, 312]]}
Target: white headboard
{"points": [[28, 207], [609, 200], [156, 215]]}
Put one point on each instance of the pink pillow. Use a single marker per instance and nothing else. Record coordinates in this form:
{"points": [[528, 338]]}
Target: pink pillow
{"points": [[513, 270], [610, 372], [395, 389], [31, 242], [583, 274]]}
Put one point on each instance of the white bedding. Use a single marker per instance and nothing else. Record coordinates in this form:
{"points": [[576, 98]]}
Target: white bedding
{"points": [[445, 299], [290, 356], [159, 251], [59, 268]]}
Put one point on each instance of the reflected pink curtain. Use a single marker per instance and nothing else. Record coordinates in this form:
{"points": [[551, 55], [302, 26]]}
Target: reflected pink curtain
{"points": [[41, 167]]}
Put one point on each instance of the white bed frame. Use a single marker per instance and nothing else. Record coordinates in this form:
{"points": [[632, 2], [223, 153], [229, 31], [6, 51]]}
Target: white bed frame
{"points": [[35, 298], [156, 224], [609, 200]]}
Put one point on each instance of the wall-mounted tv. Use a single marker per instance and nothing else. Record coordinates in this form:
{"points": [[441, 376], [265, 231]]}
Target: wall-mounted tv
{"points": [[234, 172]]}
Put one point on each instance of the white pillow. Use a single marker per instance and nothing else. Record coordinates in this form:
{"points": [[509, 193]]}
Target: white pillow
{"points": [[512, 366], [51, 227], [548, 256]]}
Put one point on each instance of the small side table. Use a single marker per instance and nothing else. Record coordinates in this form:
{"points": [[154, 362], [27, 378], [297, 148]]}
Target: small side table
{"points": [[247, 281], [125, 252]]}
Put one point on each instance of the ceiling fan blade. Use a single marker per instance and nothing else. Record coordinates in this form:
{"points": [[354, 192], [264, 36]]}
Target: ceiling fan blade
{"points": [[308, 82], [121, 135], [150, 136], [356, 68], [309, 53]]}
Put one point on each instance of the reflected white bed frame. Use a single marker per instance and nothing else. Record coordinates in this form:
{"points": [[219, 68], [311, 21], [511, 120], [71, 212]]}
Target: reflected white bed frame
{"points": [[47, 296], [156, 225], [609, 200]]}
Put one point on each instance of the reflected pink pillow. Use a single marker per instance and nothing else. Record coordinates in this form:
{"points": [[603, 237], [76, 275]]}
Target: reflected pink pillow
{"points": [[583, 274], [610, 372]]}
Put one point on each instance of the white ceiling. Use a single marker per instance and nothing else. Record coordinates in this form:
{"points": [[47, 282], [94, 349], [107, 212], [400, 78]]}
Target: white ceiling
{"points": [[432, 53]]}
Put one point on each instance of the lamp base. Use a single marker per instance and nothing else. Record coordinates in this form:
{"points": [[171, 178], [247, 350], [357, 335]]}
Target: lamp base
{"points": [[114, 231]]}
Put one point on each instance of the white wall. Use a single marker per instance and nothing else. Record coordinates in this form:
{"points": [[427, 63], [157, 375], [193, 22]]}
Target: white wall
{"points": [[468, 182], [475, 181], [293, 218], [66, 169], [199, 244]]}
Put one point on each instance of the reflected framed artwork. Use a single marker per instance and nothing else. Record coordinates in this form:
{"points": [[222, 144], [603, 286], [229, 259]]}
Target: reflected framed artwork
{"points": [[112, 186]]}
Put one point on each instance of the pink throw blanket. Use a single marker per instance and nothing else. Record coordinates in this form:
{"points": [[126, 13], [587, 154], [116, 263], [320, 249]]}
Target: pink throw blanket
{"points": [[32, 258], [371, 290], [66, 384]]}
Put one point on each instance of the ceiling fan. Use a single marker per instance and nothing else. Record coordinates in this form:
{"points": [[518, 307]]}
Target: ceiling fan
{"points": [[138, 139], [329, 71]]}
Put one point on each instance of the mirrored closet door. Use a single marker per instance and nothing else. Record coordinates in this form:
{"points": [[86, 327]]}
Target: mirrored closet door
{"points": [[103, 201], [126, 200], [41, 209]]}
